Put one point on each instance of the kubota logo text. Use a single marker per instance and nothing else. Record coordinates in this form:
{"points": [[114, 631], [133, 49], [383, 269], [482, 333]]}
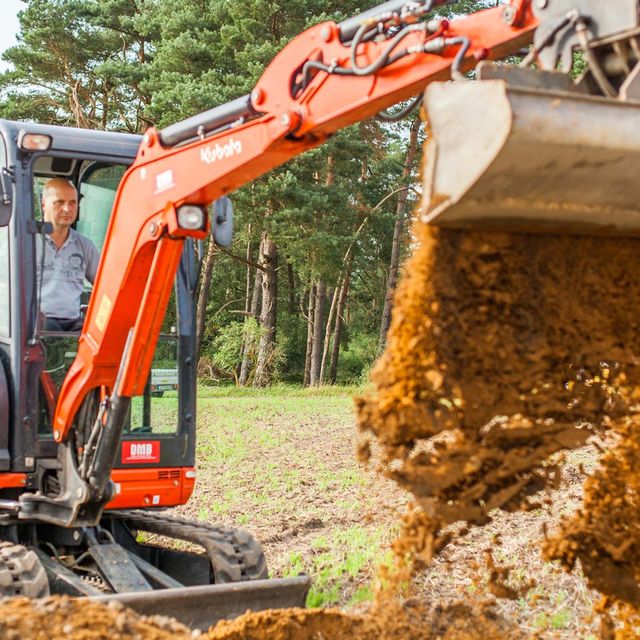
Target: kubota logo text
{"points": [[221, 151]]}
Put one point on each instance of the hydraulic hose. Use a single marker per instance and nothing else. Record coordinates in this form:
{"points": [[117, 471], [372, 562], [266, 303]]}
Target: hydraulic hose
{"points": [[350, 27]]}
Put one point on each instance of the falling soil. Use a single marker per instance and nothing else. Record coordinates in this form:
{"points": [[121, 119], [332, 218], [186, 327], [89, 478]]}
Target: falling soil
{"points": [[604, 535], [504, 350]]}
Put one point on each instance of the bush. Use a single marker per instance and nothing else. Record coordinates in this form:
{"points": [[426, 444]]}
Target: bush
{"points": [[224, 356], [225, 352], [357, 358]]}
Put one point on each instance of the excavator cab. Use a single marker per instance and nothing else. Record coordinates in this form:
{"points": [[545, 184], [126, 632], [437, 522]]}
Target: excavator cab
{"points": [[158, 443], [97, 183], [150, 420], [46, 550]]}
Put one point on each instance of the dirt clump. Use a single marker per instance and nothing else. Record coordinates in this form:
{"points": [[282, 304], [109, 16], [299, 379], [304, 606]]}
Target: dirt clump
{"points": [[604, 535], [504, 349], [58, 618], [295, 624]]}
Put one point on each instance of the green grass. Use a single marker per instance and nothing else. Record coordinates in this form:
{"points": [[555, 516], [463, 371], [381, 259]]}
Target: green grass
{"points": [[340, 560], [555, 621], [229, 432], [286, 456], [281, 391]]}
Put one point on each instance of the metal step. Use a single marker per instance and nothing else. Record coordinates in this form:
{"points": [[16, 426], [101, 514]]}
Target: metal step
{"points": [[522, 159], [202, 606]]}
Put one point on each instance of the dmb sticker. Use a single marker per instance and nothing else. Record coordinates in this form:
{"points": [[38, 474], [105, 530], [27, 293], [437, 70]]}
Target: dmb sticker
{"points": [[140, 452]]}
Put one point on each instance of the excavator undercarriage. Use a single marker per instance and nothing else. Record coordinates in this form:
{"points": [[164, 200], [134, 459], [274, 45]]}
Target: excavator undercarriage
{"points": [[223, 575]]}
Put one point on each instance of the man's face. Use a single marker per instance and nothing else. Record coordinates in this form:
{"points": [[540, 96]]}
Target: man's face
{"points": [[60, 205]]}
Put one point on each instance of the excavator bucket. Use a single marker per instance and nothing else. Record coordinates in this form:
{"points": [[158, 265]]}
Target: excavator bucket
{"points": [[525, 151]]}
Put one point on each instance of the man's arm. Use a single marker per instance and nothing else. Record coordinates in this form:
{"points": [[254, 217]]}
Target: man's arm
{"points": [[92, 257]]}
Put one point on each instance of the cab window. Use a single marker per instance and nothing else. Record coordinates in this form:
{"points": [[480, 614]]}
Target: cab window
{"points": [[156, 410], [98, 188]]}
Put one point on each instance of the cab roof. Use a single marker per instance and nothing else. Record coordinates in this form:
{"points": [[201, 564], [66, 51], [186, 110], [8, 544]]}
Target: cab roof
{"points": [[69, 140]]}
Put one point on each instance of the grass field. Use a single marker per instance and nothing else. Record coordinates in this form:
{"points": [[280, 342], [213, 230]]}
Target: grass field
{"points": [[281, 463]]}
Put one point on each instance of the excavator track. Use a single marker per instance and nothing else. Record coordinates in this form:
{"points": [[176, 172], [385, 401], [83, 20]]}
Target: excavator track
{"points": [[21, 572], [235, 554]]}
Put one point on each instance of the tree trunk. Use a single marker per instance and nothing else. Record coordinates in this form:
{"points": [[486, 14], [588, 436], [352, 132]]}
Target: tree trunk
{"points": [[247, 303], [293, 298], [316, 349], [398, 231], [329, 329], [310, 314], [245, 367], [320, 346], [203, 294], [269, 262], [337, 335]]}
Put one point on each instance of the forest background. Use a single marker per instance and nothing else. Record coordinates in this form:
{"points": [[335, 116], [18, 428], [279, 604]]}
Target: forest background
{"points": [[304, 294]]}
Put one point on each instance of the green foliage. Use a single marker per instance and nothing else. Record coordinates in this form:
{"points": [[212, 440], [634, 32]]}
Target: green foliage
{"points": [[235, 340], [79, 62], [229, 344], [357, 358]]}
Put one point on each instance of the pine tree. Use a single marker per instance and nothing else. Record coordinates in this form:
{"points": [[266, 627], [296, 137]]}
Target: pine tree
{"points": [[79, 62]]}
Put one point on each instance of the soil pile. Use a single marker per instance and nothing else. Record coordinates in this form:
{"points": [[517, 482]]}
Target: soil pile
{"points": [[61, 617], [393, 621], [504, 349], [58, 618]]}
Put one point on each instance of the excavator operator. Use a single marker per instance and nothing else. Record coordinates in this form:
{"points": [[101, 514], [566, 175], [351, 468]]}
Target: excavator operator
{"points": [[68, 259]]}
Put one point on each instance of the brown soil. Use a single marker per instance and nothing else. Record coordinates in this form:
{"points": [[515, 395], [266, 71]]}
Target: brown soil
{"points": [[62, 617], [398, 622]]}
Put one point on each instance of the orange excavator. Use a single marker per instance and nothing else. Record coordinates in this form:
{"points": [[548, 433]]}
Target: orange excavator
{"points": [[89, 460]]}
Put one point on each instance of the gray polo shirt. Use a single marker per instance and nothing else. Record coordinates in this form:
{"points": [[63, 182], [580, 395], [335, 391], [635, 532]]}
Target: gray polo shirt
{"points": [[64, 273]]}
